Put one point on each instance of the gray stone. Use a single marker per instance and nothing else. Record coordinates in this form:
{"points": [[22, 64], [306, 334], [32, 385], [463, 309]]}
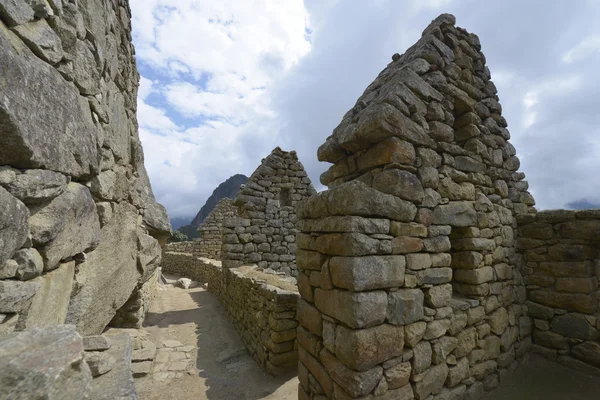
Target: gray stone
{"points": [[9, 269], [405, 306], [363, 349], [588, 352], [50, 303], [355, 383], [431, 381], [38, 130], [118, 382], [14, 224], [37, 186], [85, 70], [15, 12], [367, 273], [44, 363], [184, 283], [41, 39], [99, 362], [156, 220], [16, 296], [146, 353], [422, 354], [66, 226], [356, 310], [107, 278], [399, 183], [457, 213], [96, 343], [30, 264], [574, 326]]}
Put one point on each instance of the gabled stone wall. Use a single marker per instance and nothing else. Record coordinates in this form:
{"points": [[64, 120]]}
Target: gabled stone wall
{"points": [[562, 256], [80, 230], [209, 244], [211, 229], [409, 278], [264, 231]]}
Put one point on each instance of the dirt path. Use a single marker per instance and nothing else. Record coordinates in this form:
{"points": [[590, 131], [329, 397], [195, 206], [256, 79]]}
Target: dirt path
{"points": [[224, 369]]}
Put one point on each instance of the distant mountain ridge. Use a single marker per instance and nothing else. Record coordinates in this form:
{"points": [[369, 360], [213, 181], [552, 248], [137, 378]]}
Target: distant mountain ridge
{"points": [[229, 188]]}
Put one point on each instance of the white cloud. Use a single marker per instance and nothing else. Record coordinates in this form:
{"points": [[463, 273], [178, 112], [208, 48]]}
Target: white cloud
{"points": [[584, 49], [229, 80]]}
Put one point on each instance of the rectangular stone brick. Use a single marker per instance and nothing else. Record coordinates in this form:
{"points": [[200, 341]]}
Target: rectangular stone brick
{"points": [[362, 349], [466, 260], [577, 285], [585, 303], [309, 317], [566, 269], [356, 310], [309, 260], [317, 370], [367, 273], [474, 276]]}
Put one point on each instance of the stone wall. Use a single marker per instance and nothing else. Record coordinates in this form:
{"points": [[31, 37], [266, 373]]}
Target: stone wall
{"points": [[562, 256], [410, 282], [209, 244], [265, 233], [263, 313], [56, 363], [211, 229], [79, 226]]}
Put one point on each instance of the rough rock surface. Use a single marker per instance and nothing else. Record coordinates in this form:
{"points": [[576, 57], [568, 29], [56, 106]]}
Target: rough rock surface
{"points": [[423, 175], [264, 231], [80, 229], [44, 363]]}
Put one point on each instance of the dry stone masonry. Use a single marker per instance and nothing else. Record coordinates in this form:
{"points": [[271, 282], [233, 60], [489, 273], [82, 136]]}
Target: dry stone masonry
{"points": [[80, 230], [262, 311], [410, 283], [264, 231], [209, 244], [561, 272]]}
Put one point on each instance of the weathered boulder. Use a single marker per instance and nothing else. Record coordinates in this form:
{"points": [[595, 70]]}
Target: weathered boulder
{"points": [[14, 225], [118, 382], [37, 185], [30, 264], [156, 219], [36, 130], [16, 296], [15, 12], [99, 362], [41, 39], [66, 226], [107, 278], [50, 303], [44, 363]]}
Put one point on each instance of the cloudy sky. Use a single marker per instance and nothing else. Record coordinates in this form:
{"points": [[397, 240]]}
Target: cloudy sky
{"points": [[224, 82]]}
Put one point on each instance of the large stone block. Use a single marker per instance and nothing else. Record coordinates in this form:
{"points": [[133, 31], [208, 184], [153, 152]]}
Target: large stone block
{"points": [[354, 383], [51, 301], [107, 278], [362, 349], [457, 213], [573, 325], [356, 310], [37, 185], [405, 306], [578, 302], [66, 226], [347, 244], [367, 273], [14, 225], [44, 122], [44, 363]]}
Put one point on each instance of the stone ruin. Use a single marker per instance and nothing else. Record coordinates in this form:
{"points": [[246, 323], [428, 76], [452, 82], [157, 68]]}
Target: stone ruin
{"points": [[264, 231], [424, 271], [209, 244], [413, 278], [80, 230]]}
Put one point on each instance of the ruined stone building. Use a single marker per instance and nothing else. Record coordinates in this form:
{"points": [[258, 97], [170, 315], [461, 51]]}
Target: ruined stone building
{"points": [[417, 264], [264, 232], [209, 244], [80, 230]]}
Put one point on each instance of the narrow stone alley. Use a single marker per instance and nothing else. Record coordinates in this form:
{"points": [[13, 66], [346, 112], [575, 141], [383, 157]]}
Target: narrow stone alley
{"points": [[219, 366]]}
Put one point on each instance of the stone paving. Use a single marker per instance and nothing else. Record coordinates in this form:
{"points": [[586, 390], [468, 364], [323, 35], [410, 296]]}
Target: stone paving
{"points": [[173, 360]]}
